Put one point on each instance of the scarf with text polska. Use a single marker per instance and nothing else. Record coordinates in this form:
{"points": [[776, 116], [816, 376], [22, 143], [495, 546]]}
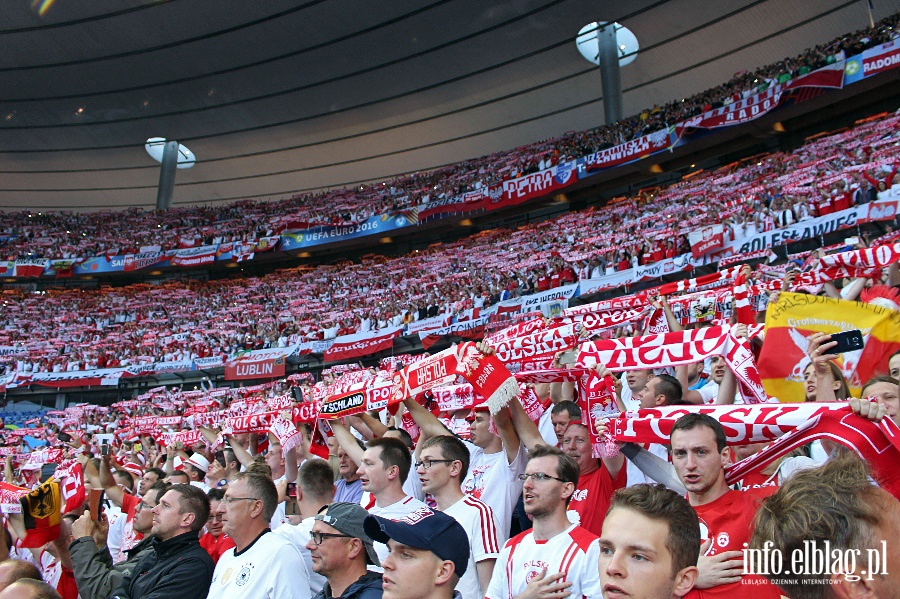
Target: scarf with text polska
{"points": [[784, 426], [536, 350], [677, 349]]}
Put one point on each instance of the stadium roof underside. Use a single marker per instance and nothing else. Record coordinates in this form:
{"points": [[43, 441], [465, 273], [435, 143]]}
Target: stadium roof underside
{"points": [[288, 96]]}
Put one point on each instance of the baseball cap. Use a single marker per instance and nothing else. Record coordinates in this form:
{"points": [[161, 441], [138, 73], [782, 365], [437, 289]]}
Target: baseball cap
{"points": [[348, 518], [198, 461], [425, 528]]}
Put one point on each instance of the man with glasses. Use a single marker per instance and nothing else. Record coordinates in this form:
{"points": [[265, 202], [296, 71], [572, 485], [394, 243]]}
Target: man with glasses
{"points": [[555, 558], [341, 551], [215, 541], [95, 574], [178, 565], [261, 565], [442, 466]]}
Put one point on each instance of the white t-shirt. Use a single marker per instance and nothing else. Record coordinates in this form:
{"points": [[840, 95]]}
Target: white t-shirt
{"points": [[477, 518], [299, 536], [395, 511], [574, 551], [709, 392], [279, 517], [116, 528], [494, 480], [271, 568], [628, 399]]}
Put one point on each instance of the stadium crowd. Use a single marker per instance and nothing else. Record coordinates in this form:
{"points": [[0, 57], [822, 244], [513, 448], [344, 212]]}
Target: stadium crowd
{"points": [[68, 235], [67, 330]]}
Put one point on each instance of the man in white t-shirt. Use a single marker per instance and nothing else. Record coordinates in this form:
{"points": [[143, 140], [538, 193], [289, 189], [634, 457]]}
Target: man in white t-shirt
{"points": [[383, 468], [556, 557], [261, 565], [443, 463], [635, 381], [495, 459], [315, 490]]}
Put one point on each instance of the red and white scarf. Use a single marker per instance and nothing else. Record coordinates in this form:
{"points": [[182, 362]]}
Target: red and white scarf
{"points": [[677, 349], [537, 349], [785, 426]]}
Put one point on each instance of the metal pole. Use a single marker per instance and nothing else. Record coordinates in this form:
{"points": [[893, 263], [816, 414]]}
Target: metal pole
{"points": [[167, 176], [609, 73]]}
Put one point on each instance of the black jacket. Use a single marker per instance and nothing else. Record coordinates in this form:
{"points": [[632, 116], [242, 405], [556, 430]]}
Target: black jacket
{"points": [[367, 587], [177, 568], [95, 574]]}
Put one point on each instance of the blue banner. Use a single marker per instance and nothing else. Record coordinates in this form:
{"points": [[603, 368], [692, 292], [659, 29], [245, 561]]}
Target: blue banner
{"points": [[374, 225]]}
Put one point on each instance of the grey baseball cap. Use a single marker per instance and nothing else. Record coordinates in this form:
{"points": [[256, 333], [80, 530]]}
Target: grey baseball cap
{"points": [[348, 518]]}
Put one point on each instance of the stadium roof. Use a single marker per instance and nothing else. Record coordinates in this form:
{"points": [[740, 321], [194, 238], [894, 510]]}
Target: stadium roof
{"points": [[286, 96]]}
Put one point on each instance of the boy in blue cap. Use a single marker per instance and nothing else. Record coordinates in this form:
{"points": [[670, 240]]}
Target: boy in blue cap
{"points": [[429, 552]]}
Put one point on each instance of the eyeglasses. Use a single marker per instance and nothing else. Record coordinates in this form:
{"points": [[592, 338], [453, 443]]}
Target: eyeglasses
{"points": [[228, 500], [142, 505], [318, 537], [215, 518], [539, 476], [427, 464]]}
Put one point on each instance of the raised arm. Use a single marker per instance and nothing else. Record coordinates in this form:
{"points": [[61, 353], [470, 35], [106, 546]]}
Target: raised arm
{"points": [[347, 441], [108, 482], [428, 423], [525, 428], [243, 456], [507, 433]]}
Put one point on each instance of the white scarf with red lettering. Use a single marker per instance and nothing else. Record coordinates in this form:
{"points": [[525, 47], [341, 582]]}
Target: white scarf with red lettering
{"points": [[536, 350], [677, 349]]}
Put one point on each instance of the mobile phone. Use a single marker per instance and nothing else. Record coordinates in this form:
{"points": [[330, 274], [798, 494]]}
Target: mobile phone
{"points": [[851, 241], [568, 357], [292, 490], [104, 448], [94, 503], [847, 341]]}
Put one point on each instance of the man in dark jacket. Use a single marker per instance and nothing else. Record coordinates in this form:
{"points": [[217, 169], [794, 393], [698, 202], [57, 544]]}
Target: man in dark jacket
{"points": [[178, 566], [95, 574], [341, 550]]}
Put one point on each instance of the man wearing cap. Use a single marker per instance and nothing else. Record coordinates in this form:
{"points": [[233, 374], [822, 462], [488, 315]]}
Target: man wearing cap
{"points": [[429, 552], [196, 467], [341, 550]]}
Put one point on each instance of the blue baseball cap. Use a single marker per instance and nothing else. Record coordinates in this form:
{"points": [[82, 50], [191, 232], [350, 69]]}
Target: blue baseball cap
{"points": [[427, 529]]}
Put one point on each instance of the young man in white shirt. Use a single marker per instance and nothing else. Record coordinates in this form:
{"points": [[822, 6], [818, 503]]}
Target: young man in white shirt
{"points": [[495, 459], [556, 557], [315, 490], [261, 565], [443, 463], [383, 469]]}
